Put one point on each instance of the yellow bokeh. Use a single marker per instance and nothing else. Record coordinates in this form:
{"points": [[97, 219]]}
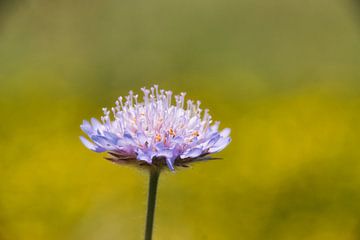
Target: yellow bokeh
{"points": [[283, 75]]}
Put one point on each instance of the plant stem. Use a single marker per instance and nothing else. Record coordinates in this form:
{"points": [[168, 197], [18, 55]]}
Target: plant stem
{"points": [[153, 182]]}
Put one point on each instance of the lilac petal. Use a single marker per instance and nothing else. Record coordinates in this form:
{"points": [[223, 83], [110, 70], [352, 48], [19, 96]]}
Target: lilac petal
{"points": [[86, 127], [214, 140], [177, 150], [215, 127], [128, 137], [208, 137], [126, 140], [192, 122], [168, 154], [87, 143], [141, 155], [170, 164], [103, 142], [96, 124], [91, 146], [211, 141], [192, 153], [178, 139], [141, 137], [225, 132], [220, 145], [160, 146], [195, 141], [111, 137]]}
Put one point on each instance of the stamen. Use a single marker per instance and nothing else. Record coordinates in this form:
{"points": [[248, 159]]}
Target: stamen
{"points": [[158, 138], [157, 91], [146, 95], [171, 132], [169, 96], [195, 134], [131, 93], [121, 102]]}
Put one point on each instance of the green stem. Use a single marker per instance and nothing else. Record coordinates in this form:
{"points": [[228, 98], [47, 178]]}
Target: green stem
{"points": [[153, 182]]}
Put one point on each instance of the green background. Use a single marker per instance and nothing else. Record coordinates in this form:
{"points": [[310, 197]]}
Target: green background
{"points": [[283, 75]]}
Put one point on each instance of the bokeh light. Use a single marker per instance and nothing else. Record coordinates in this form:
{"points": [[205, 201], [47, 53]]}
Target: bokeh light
{"points": [[283, 75]]}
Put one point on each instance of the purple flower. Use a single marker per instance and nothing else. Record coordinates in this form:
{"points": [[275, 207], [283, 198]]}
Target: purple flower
{"points": [[155, 131]]}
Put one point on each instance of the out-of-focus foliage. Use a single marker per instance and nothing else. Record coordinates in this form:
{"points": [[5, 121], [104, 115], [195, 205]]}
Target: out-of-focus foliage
{"points": [[284, 75]]}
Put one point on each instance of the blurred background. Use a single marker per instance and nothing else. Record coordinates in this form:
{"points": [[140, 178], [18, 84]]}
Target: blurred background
{"points": [[283, 75]]}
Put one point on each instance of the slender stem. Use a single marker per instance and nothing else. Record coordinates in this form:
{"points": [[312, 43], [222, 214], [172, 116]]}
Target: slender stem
{"points": [[153, 182]]}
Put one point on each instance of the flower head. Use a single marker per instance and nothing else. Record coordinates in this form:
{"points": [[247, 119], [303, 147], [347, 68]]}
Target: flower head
{"points": [[155, 131]]}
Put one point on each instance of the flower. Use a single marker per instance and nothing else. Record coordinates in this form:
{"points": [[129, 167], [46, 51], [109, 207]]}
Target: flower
{"points": [[155, 131]]}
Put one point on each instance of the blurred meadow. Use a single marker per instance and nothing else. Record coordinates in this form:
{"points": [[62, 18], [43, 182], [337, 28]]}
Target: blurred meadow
{"points": [[284, 75]]}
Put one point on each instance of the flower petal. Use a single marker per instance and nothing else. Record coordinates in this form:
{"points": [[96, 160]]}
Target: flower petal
{"points": [[170, 164], [96, 124], [192, 153], [220, 145], [91, 146], [87, 128], [141, 137], [168, 154], [103, 142], [111, 137], [144, 156], [225, 132]]}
